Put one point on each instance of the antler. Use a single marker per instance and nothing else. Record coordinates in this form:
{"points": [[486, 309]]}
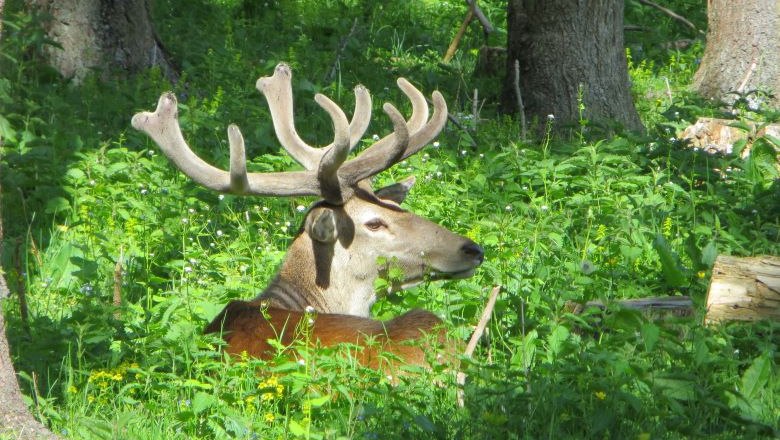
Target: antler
{"points": [[327, 172]]}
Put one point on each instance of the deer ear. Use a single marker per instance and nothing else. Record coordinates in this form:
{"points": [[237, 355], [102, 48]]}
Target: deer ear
{"points": [[321, 225], [396, 192]]}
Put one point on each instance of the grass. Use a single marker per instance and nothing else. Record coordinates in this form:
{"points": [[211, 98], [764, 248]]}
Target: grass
{"points": [[560, 220]]}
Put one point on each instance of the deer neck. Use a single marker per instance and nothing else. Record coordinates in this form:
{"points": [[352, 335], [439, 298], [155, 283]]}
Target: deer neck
{"points": [[327, 289]]}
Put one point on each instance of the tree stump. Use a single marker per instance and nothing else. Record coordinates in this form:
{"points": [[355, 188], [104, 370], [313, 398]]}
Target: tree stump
{"points": [[744, 289]]}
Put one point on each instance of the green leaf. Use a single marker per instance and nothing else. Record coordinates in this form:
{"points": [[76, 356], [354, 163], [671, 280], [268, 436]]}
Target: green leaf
{"points": [[296, 429], [650, 334], [319, 401], [556, 339], [756, 377], [425, 423], [709, 254], [202, 401], [670, 263], [57, 204]]}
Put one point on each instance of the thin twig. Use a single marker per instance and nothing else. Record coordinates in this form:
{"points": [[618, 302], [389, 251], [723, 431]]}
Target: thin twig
{"points": [[21, 291], [520, 106], [670, 13], [118, 285], [669, 91], [475, 110], [455, 121], [472, 345], [332, 73], [522, 330]]}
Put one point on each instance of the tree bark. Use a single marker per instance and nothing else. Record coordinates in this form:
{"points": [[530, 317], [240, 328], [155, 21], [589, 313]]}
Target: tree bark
{"points": [[742, 52], [569, 52], [103, 35], [15, 420]]}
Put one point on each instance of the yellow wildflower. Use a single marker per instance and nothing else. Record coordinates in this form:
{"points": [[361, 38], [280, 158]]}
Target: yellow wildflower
{"points": [[601, 395]]}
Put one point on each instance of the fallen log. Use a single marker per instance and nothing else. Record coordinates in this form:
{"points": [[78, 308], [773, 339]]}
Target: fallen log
{"points": [[744, 289], [652, 307]]}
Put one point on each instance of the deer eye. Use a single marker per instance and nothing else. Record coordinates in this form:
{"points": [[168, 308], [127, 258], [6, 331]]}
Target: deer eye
{"points": [[375, 224]]}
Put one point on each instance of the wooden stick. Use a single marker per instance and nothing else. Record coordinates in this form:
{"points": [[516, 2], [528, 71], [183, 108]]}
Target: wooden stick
{"points": [[456, 41], [520, 106], [118, 285], [472, 345], [670, 13]]}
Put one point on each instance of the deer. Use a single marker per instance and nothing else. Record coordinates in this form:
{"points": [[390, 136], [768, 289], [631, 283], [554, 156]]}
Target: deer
{"points": [[348, 238]]}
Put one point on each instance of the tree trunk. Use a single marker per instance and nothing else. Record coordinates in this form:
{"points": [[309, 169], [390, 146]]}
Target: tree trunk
{"points": [[569, 52], [15, 420], [742, 52], [744, 289], [107, 35]]}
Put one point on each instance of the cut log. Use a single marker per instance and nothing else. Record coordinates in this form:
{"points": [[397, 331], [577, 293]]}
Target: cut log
{"points": [[715, 135], [744, 289]]}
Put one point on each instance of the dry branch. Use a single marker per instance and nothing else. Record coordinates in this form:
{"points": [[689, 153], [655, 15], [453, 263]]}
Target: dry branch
{"points": [[670, 13], [472, 345], [458, 36], [651, 306]]}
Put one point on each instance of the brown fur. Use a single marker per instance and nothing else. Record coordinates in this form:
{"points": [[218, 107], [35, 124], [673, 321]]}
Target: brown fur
{"points": [[247, 326]]}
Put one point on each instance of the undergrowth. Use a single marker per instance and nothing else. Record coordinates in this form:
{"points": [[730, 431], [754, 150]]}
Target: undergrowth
{"points": [[90, 206]]}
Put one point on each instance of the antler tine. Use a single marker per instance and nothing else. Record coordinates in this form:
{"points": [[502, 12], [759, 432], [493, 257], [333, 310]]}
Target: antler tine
{"points": [[361, 117], [374, 159], [278, 91], [239, 181], [327, 172], [430, 130], [162, 126], [419, 106]]}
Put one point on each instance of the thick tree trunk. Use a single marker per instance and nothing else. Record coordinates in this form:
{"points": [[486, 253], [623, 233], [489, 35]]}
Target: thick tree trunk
{"points": [[742, 52], [107, 35], [15, 420], [569, 49]]}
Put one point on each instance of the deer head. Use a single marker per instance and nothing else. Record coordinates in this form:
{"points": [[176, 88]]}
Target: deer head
{"points": [[349, 237]]}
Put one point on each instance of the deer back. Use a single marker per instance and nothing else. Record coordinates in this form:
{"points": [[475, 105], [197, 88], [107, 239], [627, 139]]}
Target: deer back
{"points": [[248, 326]]}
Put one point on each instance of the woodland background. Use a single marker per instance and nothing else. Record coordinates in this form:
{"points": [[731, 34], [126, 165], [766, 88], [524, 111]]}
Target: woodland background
{"points": [[115, 261]]}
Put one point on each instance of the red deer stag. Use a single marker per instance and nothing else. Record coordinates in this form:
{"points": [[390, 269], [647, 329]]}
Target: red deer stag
{"points": [[347, 239]]}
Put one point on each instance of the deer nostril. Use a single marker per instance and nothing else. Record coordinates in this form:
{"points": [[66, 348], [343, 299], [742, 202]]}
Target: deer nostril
{"points": [[473, 250]]}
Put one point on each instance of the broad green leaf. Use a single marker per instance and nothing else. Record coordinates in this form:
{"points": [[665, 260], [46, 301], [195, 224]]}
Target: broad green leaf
{"points": [[709, 254], [556, 339], [202, 401], [756, 377], [319, 401], [296, 429], [670, 263], [650, 334]]}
